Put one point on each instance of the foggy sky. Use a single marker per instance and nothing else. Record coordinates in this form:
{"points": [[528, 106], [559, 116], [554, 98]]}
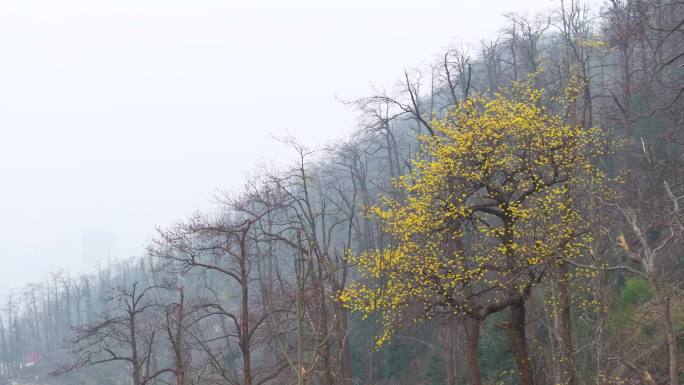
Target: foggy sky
{"points": [[117, 116]]}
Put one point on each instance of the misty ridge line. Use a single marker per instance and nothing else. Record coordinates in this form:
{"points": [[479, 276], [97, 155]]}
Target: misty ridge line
{"points": [[84, 81]]}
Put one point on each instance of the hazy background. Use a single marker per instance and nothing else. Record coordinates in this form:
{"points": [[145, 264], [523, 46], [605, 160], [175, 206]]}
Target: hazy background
{"points": [[119, 116]]}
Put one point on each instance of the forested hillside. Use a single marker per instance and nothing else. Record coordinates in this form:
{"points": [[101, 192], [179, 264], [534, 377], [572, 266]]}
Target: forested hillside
{"points": [[513, 214]]}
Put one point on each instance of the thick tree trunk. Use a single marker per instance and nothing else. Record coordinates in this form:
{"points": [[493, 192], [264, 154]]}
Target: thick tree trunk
{"points": [[471, 327], [246, 357], [518, 340]]}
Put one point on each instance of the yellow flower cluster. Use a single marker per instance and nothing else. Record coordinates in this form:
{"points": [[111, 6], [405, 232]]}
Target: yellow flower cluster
{"points": [[490, 204]]}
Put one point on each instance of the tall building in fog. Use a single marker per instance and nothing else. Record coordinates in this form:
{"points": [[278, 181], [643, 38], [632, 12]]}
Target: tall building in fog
{"points": [[97, 248]]}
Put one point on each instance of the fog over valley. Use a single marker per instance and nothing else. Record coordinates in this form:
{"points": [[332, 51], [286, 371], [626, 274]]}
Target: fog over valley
{"points": [[119, 116]]}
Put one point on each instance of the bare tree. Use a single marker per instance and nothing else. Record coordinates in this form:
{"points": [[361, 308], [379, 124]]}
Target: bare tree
{"points": [[127, 336]]}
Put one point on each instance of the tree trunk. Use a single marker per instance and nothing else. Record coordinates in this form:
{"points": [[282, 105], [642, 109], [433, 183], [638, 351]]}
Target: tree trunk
{"points": [[671, 342], [246, 359], [245, 340], [135, 362], [342, 327], [180, 364], [567, 364], [370, 368], [518, 339], [450, 354], [323, 329], [471, 327]]}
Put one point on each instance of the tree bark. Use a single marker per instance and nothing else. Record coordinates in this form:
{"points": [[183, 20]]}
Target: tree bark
{"points": [[342, 327], [671, 342], [518, 342], [245, 340], [450, 354], [323, 328], [178, 348], [471, 327]]}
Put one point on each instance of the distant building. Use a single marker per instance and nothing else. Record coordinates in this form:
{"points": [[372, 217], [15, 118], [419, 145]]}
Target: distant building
{"points": [[97, 248]]}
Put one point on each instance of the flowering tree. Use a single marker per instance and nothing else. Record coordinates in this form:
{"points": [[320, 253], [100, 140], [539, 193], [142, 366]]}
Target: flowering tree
{"points": [[485, 213]]}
